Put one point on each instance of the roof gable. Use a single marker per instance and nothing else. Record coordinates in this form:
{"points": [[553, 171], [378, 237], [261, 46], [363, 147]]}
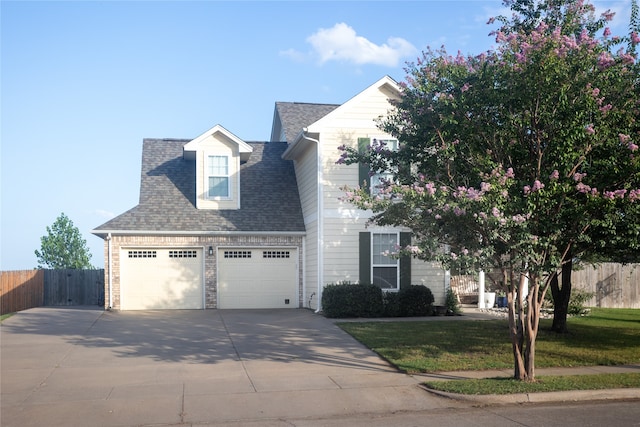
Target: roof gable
{"points": [[220, 134], [386, 85]]}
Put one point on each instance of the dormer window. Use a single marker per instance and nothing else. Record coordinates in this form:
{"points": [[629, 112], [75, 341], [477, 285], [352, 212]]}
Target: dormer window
{"points": [[218, 177]]}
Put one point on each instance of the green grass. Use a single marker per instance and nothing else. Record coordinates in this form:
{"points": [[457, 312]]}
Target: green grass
{"points": [[542, 384], [606, 337], [5, 316]]}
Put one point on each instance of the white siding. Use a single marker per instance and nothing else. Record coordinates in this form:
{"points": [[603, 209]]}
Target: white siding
{"points": [[431, 275], [210, 147], [342, 222]]}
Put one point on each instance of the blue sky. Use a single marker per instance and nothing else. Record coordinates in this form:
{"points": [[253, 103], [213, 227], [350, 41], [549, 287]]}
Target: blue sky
{"points": [[83, 82]]}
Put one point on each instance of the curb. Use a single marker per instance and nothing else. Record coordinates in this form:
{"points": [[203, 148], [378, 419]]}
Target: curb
{"points": [[542, 397]]}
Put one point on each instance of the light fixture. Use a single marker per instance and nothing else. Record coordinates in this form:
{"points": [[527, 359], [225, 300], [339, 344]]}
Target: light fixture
{"points": [[210, 250]]}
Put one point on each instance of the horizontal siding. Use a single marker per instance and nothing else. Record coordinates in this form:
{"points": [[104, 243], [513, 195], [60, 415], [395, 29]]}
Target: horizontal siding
{"points": [[311, 267], [356, 121], [431, 275], [341, 263], [307, 178]]}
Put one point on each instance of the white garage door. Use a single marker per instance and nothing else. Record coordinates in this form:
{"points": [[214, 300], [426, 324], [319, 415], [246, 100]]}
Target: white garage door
{"points": [[155, 278], [257, 278]]}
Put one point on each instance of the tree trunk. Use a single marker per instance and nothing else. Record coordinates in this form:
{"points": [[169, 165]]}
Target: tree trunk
{"points": [[561, 296], [516, 323]]}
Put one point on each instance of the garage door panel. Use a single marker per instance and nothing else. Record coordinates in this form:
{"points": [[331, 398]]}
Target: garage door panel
{"points": [[161, 279], [257, 278]]}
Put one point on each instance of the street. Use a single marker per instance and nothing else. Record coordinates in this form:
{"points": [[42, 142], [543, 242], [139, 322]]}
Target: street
{"points": [[568, 414]]}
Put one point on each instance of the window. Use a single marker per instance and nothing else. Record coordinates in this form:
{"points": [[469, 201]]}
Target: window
{"points": [[142, 254], [218, 177], [183, 254], [376, 181], [275, 254], [237, 254], [385, 268]]}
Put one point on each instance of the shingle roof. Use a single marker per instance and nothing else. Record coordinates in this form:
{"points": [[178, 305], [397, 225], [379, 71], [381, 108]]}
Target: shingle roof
{"points": [[297, 115], [269, 194]]}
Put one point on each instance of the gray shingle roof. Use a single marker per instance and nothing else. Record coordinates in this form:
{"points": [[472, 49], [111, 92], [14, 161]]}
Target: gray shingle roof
{"points": [[269, 194], [297, 115]]}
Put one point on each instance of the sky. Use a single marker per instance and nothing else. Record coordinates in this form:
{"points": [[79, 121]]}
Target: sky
{"points": [[82, 83]]}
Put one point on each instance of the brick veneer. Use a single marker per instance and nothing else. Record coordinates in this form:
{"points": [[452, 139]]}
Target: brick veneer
{"points": [[119, 242]]}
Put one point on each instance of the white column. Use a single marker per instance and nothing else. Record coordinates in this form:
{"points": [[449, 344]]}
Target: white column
{"points": [[481, 289]]}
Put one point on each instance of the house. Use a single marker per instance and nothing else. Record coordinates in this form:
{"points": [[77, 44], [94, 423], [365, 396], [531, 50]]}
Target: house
{"points": [[226, 223]]}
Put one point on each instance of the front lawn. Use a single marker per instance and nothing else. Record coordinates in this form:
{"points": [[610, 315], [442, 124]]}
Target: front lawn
{"points": [[605, 337]]}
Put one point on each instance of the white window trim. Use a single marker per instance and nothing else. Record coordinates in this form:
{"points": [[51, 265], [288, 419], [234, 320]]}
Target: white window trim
{"points": [[208, 157], [397, 260]]}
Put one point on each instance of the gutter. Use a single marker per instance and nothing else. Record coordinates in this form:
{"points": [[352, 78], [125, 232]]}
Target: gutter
{"points": [[110, 265], [194, 233], [320, 202]]}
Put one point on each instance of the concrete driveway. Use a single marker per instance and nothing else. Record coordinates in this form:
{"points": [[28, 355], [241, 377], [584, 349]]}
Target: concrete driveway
{"points": [[86, 367]]}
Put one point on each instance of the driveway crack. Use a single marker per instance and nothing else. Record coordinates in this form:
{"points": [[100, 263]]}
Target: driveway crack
{"points": [[235, 349]]}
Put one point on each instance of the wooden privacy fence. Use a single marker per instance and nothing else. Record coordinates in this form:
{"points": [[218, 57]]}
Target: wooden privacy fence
{"points": [[612, 285], [20, 290], [25, 289]]}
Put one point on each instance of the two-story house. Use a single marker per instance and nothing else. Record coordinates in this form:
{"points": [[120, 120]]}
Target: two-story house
{"points": [[226, 223]]}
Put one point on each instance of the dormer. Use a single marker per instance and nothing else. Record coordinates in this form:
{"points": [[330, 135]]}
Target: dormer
{"points": [[218, 154]]}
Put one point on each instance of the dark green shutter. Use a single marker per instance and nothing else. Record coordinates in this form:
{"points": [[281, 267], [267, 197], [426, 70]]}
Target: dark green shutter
{"points": [[405, 262], [365, 258], [363, 168]]}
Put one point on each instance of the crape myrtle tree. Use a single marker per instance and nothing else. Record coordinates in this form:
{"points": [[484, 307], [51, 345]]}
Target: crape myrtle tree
{"points": [[520, 159], [63, 247]]}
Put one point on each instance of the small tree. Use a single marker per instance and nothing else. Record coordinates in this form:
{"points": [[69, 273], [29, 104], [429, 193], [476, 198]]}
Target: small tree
{"points": [[523, 159], [63, 247]]}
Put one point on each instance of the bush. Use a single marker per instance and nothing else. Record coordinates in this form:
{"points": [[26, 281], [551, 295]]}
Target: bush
{"points": [[391, 304], [577, 302], [415, 300], [451, 302], [344, 300]]}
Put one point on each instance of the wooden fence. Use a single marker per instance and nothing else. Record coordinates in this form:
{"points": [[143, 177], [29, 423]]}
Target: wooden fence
{"points": [[20, 290], [25, 289], [613, 285]]}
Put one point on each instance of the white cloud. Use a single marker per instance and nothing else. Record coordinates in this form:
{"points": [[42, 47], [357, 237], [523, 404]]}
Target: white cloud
{"points": [[341, 43]]}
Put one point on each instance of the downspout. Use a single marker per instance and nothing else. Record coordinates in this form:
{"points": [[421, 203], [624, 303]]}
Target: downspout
{"points": [[110, 265], [320, 220]]}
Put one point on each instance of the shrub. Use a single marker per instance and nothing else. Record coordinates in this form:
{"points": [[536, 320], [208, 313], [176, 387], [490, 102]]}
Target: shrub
{"points": [[415, 300], [577, 302], [451, 302], [344, 300], [391, 304]]}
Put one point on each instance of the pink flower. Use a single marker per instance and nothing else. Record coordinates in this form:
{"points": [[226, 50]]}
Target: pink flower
{"points": [[608, 15], [635, 38], [582, 188], [589, 129], [465, 87], [510, 173], [526, 189], [554, 175], [537, 185], [578, 176], [607, 32], [605, 109]]}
